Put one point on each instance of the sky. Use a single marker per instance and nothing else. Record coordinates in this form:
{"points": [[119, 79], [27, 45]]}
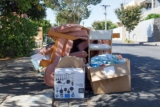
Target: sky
{"points": [[97, 12]]}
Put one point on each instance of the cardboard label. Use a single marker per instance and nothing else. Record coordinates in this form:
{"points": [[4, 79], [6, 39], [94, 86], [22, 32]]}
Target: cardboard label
{"points": [[109, 70], [69, 83]]}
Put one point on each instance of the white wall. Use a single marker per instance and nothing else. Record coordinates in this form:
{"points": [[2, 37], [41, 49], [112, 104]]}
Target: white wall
{"points": [[139, 1], [140, 34], [155, 10], [142, 31], [132, 3]]}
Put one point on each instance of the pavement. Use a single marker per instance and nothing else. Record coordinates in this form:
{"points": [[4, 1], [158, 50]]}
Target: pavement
{"points": [[22, 86], [152, 43]]}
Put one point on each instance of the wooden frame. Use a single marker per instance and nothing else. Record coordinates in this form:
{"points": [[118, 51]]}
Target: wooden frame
{"points": [[56, 36]]}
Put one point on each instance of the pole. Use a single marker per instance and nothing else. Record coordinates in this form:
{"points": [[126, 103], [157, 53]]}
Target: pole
{"points": [[152, 4], [105, 19], [105, 13]]}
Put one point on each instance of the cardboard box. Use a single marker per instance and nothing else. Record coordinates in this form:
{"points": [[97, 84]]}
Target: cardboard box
{"points": [[69, 83], [110, 79], [69, 78]]}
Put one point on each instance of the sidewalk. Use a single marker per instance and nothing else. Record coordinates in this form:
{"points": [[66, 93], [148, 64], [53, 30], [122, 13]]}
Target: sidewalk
{"points": [[137, 43], [21, 86], [152, 43], [42, 99]]}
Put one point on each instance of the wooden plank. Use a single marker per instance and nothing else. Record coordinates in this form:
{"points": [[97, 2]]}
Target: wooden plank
{"points": [[115, 35], [60, 35], [45, 63]]}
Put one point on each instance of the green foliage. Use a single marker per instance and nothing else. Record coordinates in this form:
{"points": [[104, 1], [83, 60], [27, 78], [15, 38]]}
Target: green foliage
{"points": [[129, 16], [18, 6], [16, 37], [128, 40], [45, 24], [59, 5], [72, 10], [55, 24], [33, 8], [100, 25], [17, 33], [111, 25], [37, 12], [152, 16], [64, 17]]}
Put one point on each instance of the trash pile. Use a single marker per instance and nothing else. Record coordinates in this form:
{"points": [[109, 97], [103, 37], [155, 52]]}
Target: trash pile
{"points": [[68, 58]]}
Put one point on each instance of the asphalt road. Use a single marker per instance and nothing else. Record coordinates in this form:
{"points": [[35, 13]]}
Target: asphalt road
{"points": [[19, 78], [145, 77]]}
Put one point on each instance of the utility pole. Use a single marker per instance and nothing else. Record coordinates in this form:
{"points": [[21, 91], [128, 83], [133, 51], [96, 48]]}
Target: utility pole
{"points": [[83, 23], [105, 7]]}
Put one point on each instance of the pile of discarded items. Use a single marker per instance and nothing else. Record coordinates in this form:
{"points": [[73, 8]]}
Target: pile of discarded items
{"points": [[79, 53]]}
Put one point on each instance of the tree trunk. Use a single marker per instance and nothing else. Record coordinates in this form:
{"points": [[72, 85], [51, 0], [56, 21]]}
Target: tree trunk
{"points": [[129, 34]]}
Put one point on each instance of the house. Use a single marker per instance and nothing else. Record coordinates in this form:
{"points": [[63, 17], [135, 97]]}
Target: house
{"points": [[152, 6], [145, 31]]}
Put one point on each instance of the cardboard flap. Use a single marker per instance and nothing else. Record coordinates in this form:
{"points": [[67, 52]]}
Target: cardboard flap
{"points": [[71, 62], [110, 71]]}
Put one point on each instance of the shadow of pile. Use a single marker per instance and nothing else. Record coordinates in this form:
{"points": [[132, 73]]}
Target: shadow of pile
{"points": [[20, 78]]}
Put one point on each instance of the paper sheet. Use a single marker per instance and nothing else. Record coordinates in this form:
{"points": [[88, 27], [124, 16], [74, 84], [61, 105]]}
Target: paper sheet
{"points": [[109, 70]]}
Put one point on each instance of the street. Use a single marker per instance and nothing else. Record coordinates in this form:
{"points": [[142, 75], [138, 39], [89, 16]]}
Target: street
{"points": [[18, 78], [145, 77]]}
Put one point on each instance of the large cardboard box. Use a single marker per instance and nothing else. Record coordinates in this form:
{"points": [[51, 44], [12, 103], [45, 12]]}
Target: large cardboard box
{"points": [[69, 78], [110, 79]]}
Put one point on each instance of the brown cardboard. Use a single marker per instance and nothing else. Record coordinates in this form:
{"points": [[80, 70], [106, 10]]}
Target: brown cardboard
{"points": [[117, 82], [70, 62]]}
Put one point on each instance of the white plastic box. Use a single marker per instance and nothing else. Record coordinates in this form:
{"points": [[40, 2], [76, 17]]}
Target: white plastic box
{"points": [[69, 83]]}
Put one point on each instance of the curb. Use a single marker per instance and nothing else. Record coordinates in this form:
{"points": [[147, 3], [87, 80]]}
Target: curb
{"points": [[154, 44]]}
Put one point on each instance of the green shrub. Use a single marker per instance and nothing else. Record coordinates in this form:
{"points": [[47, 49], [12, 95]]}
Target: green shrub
{"points": [[16, 36], [45, 24], [152, 16], [128, 40]]}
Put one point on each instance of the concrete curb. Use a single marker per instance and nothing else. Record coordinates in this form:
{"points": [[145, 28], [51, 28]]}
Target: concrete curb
{"points": [[152, 43]]}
